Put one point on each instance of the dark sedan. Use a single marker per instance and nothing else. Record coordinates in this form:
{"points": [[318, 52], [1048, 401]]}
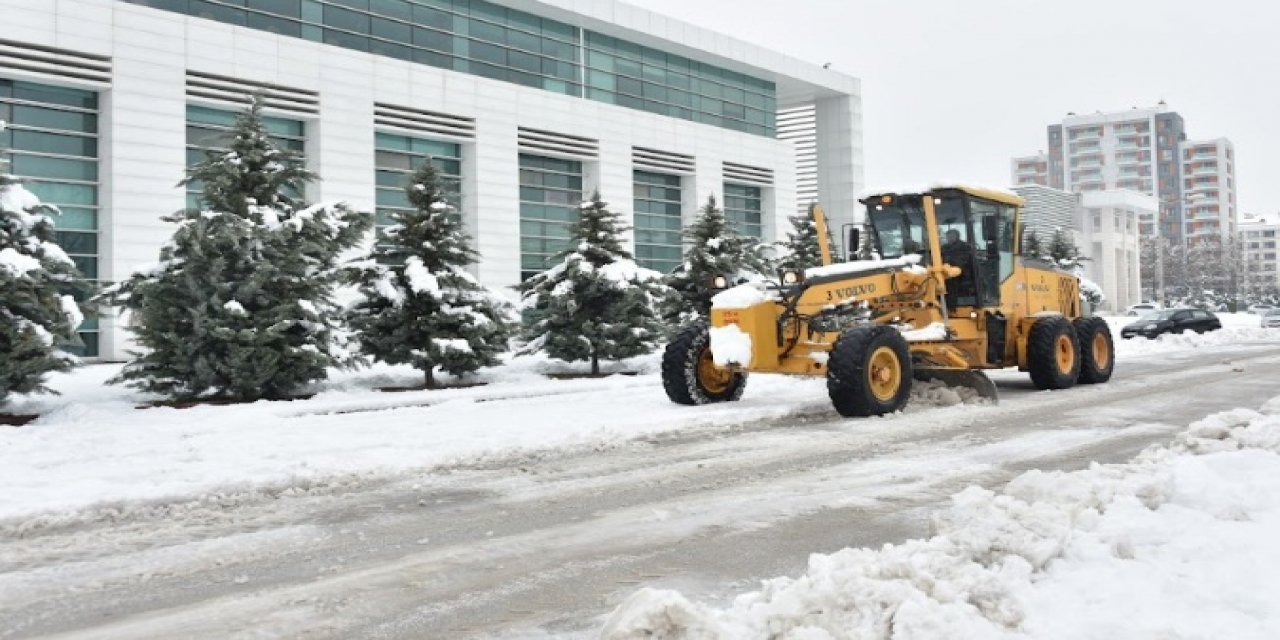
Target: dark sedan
{"points": [[1172, 321]]}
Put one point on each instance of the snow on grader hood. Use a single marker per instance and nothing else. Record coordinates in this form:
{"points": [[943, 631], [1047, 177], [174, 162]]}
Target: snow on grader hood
{"points": [[928, 310]]}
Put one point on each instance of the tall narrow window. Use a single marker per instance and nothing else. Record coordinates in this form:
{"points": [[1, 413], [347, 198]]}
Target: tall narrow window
{"points": [[742, 206], [209, 129], [657, 220], [550, 192], [52, 140], [398, 156]]}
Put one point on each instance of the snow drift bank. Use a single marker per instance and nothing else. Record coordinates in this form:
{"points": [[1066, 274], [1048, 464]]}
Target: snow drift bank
{"points": [[1179, 542]]}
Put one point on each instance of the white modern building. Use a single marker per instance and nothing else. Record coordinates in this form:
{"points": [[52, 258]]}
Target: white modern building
{"points": [[1110, 222], [525, 105], [1105, 225], [1259, 237], [1047, 210], [1209, 189]]}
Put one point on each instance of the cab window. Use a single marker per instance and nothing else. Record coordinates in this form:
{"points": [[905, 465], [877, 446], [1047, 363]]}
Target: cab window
{"points": [[898, 227]]}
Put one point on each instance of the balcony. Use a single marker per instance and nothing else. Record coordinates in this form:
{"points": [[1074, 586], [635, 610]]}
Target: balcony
{"points": [[1084, 135]]}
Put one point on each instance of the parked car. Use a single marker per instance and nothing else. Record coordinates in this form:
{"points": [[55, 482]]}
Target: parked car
{"points": [[1271, 319], [1260, 308], [1172, 321], [1142, 309]]}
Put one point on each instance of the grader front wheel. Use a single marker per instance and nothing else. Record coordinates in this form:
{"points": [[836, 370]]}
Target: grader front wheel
{"points": [[690, 375], [869, 372]]}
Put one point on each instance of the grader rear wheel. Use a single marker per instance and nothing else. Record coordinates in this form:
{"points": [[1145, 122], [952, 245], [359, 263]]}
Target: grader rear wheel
{"points": [[869, 372], [1053, 353], [1097, 351], [689, 372]]}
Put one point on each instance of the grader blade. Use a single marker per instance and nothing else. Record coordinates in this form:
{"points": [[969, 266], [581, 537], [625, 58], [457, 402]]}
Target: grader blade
{"points": [[973, 378]]}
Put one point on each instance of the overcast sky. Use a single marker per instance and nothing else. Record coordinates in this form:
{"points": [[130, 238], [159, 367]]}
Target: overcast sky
{"points": [[953, 89]]}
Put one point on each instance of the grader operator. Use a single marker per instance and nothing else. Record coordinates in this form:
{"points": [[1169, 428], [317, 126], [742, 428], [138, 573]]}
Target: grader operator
{"points": [[949, 296]]}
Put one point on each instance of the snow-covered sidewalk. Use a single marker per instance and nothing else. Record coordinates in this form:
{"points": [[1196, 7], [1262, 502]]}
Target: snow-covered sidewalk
{"points": [[1178, 543]]}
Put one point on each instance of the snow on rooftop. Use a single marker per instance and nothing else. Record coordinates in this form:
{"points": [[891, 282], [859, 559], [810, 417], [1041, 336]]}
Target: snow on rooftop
{"points": [[939, 184]]}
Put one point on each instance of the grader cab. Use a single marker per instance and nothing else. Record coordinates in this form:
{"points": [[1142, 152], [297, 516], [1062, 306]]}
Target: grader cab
{"points": [[948, 295]]}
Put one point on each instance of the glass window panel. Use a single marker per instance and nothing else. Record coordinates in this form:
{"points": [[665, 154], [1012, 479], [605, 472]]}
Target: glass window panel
{"points": [[288, 8], [525, 41], [55, 143], [399, 9], [627, 67], [392, 30], [55, 168], [273, 24], [344, 39], [77, 242], [205, 9], [88, 265], [487, 32], [524, 61], [559, 30], [53, 118], [76, 218], [60, 194], [346, 19]]}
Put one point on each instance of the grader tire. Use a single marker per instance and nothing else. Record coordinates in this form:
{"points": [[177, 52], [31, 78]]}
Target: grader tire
{"points": [[688, 375], [1053, 353], [869, 372], [1097, 350]]}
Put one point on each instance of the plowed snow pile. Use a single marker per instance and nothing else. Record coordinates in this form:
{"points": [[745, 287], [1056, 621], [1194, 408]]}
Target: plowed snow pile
{"points": [[1181, 542]]}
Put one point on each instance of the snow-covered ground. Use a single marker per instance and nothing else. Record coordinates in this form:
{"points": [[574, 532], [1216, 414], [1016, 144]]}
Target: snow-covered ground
{"points": [[1178, 543], [93, 447]]}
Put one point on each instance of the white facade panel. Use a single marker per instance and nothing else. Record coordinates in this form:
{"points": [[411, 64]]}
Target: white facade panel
{"points": [[143, 120]]}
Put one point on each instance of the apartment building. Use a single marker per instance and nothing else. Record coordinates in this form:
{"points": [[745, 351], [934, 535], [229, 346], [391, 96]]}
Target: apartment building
{"points": [[1141, 149], [1028, 170], [1209, 189], [1259, 237]]}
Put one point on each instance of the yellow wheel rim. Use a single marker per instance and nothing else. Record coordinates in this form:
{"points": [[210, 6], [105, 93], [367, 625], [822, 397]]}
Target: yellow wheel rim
{"points": [[1066, 354], [1101, 352], [884, 375], [712, 378]]}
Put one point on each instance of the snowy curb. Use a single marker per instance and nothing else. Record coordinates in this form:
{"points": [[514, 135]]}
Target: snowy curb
{"points": [[997, 563]]}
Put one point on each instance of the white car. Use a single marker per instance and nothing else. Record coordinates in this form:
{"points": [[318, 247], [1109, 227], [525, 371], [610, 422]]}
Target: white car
{"points": [[1271, 319], [1142, 309], [1260, 308]]}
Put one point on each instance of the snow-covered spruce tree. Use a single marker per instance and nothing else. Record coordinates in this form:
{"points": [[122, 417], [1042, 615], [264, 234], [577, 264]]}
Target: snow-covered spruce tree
{"points": [[38, 316], [1063, 251], [801, 250], [420, 307], [714, 248], [1031, 245], [239, 306], [596, 303]]}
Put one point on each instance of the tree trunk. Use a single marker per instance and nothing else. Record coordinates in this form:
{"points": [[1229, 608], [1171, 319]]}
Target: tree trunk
{"points": [[431, 378], [595, 365]]}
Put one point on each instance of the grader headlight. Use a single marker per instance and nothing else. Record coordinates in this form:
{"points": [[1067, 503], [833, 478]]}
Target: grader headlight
{"points": [[792, 277], [719, 282]]}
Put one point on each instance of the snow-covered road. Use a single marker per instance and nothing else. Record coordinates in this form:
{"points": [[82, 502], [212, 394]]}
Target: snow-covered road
{"points": [[546, 542]]}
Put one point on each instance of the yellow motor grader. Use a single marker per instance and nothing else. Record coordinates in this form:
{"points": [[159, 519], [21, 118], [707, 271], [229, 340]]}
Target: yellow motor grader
{"points": [[949, 295]]}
